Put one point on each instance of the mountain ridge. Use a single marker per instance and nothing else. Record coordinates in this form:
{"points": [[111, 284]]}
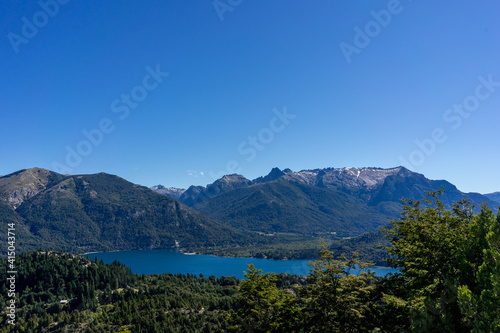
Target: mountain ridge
{"points": [[346, 202], [495, 196], [364, 179], [103, 212]]}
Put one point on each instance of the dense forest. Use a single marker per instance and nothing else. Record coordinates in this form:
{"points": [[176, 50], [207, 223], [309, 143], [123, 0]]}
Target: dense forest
{"points": [[371, 246], [448, 281]]}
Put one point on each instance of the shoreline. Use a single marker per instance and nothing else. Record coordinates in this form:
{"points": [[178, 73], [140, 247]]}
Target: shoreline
{"points": [[223, 256]]}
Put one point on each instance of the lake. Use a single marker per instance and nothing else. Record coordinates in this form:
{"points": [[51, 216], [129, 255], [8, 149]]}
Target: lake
{"points": [[173, 261]]}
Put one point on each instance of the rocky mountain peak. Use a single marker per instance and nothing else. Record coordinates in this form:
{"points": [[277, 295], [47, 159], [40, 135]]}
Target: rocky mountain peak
{"points": [[172, 192], [233, 178], [24, 184], [365, 178], [228, 182], [275, 173]]}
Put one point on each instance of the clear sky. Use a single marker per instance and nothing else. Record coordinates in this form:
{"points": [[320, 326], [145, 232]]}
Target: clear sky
{"points": [[251, 85]]}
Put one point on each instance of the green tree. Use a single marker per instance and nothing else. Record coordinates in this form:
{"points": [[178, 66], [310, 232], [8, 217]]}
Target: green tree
{"points": [[480, 303], [338, 296], [264, 307], [440, 255]]}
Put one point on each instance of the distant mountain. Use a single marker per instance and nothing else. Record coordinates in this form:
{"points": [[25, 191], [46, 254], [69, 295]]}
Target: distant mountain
{"points": [[292, 207], [493, 196], [412, 185], [195, 194], [349, 179], [355, 178], [172, 192], [345, 201], [102, 212]]}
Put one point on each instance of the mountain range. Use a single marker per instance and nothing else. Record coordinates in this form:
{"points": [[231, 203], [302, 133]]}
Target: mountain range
{"points": [[103, 212], [495, 196], [343, 201]]}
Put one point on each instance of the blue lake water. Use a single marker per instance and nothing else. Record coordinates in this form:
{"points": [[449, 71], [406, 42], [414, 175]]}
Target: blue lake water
{"points": [[172, 261]]}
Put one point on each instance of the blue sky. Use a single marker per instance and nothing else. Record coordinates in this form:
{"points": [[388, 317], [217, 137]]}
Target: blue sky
{"points": [[251, 85]]}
